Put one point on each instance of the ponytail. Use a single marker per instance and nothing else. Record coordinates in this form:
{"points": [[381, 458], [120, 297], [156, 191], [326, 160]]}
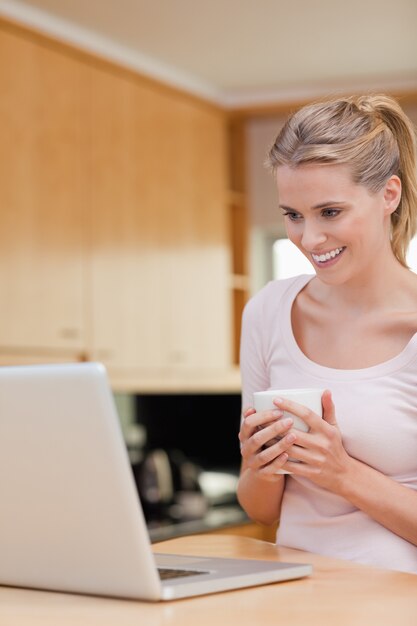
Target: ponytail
{"points": [[404, 219]]}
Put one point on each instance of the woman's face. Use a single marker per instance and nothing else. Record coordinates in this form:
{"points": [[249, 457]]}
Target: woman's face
{"points": [[341, 227]]}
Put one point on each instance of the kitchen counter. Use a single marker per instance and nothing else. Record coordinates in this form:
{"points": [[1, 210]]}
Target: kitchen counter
{"points": [[338, 592], [216, 518]]}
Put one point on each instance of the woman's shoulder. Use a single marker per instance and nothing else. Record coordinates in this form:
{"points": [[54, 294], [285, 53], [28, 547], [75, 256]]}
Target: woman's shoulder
{"points": [[275, 291]]}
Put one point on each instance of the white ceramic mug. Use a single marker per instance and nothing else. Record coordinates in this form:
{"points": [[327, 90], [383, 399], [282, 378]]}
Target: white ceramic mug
{"points": [[311, 398]]}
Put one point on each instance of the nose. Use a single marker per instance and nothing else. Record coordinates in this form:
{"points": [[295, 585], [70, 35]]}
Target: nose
{"points": [[313, 235]]}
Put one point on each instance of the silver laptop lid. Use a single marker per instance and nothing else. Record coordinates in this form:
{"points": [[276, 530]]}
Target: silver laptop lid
{"points": [[61, 529]]}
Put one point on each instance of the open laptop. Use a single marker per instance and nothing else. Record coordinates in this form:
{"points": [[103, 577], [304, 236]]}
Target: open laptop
{"points": [[70, 516]]}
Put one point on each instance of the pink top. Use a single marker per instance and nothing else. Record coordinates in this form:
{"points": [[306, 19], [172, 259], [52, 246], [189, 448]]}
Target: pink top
{"points": [[376, 409]]}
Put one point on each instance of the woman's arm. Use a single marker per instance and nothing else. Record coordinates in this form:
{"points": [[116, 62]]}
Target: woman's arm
{"points": [[386, 501], [260, 500], [326, 463]]}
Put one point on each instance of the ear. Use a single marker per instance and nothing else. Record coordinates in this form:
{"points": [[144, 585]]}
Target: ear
{"points": [[392, 194]]}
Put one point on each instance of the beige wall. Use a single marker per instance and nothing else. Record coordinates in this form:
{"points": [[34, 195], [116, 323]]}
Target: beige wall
{"points": [[262, 194]]}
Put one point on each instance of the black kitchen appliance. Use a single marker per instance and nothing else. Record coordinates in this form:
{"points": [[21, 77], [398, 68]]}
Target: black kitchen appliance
{"points": [[192, 444]]}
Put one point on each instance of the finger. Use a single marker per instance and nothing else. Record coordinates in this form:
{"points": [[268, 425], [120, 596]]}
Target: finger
{"points": [[263, 437], [248, 427], [263, 418], [272, 469], [306, 456], [299, 410], [329, 412], [299, 469], [272, 458], [269, 455], [245, 431], [269, 434]]}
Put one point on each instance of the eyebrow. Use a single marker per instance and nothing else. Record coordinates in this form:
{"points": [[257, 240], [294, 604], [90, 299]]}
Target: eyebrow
{"points": [[322, 205]]}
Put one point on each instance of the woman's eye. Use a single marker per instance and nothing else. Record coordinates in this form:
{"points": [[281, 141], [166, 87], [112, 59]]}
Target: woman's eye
{"points": [[330, 212], [294, 217]]}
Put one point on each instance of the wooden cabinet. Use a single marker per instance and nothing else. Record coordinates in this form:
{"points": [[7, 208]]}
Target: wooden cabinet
{"points": [[114, 243], [160, 259], [42, 200], [126, 268], [239, 227]]}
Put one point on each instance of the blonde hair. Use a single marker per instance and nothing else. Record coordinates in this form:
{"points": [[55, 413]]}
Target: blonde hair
{"points": [[372, 135]]}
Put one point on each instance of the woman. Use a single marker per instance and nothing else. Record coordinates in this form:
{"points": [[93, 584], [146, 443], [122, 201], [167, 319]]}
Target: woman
{"points": [[346, 180]]}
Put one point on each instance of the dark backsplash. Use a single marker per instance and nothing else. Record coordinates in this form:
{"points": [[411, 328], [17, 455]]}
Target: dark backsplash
{"points": [[203, 427]]}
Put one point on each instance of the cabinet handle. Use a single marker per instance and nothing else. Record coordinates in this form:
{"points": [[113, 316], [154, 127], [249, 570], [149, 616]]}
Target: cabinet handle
{"points": [[69, 333], [178, 357], [105, 355]]}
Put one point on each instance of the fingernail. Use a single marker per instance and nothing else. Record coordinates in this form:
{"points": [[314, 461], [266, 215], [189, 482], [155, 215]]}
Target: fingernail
{"points": [[291, 437], [287, 421], [277, 413], [278, 400]]}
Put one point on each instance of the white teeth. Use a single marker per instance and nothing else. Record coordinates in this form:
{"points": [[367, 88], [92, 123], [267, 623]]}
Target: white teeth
{"points": [[321, 258]]}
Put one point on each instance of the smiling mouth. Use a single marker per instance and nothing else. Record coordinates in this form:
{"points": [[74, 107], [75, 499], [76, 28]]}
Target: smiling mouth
{"points": [[321, 259]]}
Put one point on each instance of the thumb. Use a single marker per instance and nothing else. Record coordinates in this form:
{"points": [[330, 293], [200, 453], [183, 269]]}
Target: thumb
{"points": [[329, 412]]}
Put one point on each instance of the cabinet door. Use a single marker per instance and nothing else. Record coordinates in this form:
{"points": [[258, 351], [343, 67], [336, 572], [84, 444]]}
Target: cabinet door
{"points": [[42, 198], [128, 326], [198, 289], [160, 261]]}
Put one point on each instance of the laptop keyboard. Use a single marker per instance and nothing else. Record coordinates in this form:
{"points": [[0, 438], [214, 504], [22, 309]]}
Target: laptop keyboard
{"points": [[167, 573]]}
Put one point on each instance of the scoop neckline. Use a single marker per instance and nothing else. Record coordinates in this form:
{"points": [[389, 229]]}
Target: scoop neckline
{"points": [[407, 354]]}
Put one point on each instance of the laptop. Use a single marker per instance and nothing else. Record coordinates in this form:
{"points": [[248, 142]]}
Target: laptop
{"points": [[71, 518]]}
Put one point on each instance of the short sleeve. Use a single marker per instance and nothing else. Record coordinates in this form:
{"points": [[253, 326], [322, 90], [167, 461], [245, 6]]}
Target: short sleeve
{"points": [[253, 368]]}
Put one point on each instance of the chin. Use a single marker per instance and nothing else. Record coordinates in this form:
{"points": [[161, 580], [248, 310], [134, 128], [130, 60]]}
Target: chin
{"points": [[336, 279]]}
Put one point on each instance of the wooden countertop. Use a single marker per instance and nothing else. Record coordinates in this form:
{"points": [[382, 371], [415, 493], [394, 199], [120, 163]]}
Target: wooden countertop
{"points": [[339, 593], [216, 519]]}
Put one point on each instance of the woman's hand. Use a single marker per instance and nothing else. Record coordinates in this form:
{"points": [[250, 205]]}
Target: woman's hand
{"points": [[261, 451], [323, 458]]}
